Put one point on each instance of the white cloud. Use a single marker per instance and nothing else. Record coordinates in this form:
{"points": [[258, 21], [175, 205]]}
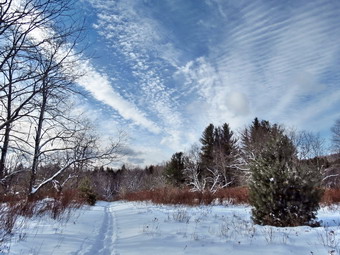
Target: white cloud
{"points": [[217, 99], [101, 88], [147, 52]]}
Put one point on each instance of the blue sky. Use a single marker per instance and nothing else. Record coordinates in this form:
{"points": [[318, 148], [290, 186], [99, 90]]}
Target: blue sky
{"points": [[162, 70]]}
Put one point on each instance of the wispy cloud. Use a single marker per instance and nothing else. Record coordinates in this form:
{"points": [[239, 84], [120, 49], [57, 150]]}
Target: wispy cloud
{"points": [[189, 63], [101, 88], [271, 62], [146, 52]]}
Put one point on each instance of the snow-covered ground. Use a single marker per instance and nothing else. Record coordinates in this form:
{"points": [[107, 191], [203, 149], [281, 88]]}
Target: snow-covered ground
{"points": [[143, 228]]}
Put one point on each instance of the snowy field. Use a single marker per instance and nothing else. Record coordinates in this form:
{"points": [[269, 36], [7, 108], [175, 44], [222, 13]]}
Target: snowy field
{"points": [[143, 228]]}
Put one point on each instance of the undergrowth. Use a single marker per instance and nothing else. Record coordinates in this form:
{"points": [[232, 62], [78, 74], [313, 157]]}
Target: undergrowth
{"points": [[235, 195], [331, 197], [15, 207]]}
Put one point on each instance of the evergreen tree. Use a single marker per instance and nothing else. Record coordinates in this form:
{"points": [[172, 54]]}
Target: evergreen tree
{"points": [[174, 170], [255, 137], [229, 142], [150, 169], [284, 191], [219, 152], [207, 150], [226, 152], [87, 192]]}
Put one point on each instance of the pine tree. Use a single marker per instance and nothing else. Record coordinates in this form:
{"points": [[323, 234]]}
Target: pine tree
{"points": [[87, 192], [284, 191], [255, 137], [174, 170], [226, 152], [207, 149], [219, 152]]}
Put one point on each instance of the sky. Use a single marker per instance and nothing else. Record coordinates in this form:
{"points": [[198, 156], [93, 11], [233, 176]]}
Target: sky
{"points": [[162, 70]]}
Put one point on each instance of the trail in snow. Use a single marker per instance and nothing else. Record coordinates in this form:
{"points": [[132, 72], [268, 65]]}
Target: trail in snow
{"points": [[90, 230], [105, 242]]}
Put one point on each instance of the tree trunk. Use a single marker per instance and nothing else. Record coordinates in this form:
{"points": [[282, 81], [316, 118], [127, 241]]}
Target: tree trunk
{"points": [[37, 140], [5, 144]]}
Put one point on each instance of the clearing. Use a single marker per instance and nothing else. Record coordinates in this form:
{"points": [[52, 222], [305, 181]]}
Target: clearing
{"points": [[122, 228]]}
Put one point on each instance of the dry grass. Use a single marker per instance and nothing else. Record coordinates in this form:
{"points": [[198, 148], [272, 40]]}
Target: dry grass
{"points": [[53, 204], [65, 202], [169, 195], [331, 197], [236, 195]]}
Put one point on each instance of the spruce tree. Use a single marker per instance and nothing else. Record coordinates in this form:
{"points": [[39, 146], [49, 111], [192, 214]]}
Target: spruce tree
{"points": [[284, 191], [219, 152], [207, 150], [226, 153], [175, 168]]}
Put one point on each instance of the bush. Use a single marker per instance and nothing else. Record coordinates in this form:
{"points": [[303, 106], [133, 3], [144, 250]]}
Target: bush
{"points": [[87, 192], [283, 190], [331, 196]]}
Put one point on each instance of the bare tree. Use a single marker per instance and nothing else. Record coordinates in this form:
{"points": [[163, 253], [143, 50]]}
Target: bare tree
{"points": [[49, 118], [17, 88], [37, 74], [311, 151], [332, 172], [193, 170], [20, 76], [308, 144], [227, 169], [82, 147]]}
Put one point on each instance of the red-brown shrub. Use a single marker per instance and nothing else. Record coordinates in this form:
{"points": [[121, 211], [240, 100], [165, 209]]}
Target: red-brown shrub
{"points": [[169, 195], [331, 196], [235, 195], [12, 206]]}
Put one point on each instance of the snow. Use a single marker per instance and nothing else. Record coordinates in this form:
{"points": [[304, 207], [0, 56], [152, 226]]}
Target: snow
{"points": [[121, 228]]}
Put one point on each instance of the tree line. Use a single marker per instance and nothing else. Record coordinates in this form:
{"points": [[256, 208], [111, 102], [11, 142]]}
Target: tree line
{"points": [[285, 170]]}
